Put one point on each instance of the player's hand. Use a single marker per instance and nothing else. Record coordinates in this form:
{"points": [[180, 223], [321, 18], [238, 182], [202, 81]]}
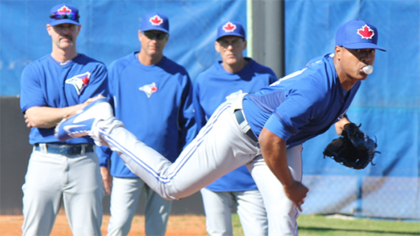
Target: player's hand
{"points": [[90, 100], [297, 193], [106, 179], [28, 123]]}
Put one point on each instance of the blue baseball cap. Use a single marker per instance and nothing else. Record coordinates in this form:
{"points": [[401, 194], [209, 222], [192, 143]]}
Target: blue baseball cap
{"points": [[357, 34], [155, 21], [230, 28], [64, 13]]}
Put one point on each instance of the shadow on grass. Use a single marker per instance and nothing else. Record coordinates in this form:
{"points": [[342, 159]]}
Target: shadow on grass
{"points": [[358, 231]]}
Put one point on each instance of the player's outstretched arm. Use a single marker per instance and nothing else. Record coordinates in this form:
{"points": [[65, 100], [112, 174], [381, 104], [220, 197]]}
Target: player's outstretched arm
{"points": [[273, 149]]}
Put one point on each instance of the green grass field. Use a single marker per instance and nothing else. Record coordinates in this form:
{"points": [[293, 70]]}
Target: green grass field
{"points": [[310, 225]]}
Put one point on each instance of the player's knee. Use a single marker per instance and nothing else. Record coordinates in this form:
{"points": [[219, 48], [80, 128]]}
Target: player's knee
{"points": [[282, 209]]}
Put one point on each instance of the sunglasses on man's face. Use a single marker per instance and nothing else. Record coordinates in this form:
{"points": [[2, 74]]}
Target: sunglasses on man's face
{"points": [[158, 36], [235, 43], [61, 15]]}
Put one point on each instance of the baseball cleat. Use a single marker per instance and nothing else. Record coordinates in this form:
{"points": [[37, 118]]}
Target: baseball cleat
{"points": [[83, 122]]}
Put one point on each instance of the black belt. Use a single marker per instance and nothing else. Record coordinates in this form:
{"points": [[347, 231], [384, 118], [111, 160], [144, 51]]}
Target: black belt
{"points": [[240, 119], [66, 150]]}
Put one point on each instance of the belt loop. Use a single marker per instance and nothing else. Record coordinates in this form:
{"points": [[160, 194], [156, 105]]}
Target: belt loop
{"points": [[43, 147], [83, 151], [244, 126]]}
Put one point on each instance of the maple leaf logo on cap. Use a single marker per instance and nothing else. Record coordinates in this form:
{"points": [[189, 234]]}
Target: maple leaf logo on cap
{"points": [[366, 32], [229, 27], [156, 20], [64, 9]]}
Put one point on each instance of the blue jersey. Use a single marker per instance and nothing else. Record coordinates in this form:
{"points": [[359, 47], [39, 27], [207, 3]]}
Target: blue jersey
{"points": [[49, 83], [211, 88], [301, 105], [154, 103]]}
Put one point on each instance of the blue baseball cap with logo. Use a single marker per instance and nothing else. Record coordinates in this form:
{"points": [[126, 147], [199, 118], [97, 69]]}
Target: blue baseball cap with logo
{"points": [[230, 28], [357, 34], [64, 13], [155, 21]]}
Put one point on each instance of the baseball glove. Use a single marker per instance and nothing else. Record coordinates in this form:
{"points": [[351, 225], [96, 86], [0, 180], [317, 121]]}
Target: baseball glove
{"points": [[353, 148]]}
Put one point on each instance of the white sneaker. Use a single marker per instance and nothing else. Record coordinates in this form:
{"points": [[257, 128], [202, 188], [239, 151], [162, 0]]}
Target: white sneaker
{"points": [[84, 121]]}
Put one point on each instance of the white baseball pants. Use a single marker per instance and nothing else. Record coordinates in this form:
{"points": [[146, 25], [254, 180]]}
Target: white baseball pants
{"points": [[220, 147], [75, 179], [250, 207], [125, 197]]}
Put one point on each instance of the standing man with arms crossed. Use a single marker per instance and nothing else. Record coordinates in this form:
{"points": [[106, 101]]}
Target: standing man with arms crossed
{"points": [[227, 78], [152, 95], [53, 87], [297, 108]]}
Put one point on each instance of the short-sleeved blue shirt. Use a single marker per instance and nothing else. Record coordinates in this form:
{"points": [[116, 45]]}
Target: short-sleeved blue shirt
{"points": [[301, 105], [49, 83]]}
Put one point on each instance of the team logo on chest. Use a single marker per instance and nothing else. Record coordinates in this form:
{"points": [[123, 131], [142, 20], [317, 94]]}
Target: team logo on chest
{"points": [[366, 32], [149, 89], [80, 82]]}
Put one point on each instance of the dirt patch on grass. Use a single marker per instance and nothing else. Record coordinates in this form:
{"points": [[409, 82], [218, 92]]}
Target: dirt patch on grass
{"points": [[188, 225]]}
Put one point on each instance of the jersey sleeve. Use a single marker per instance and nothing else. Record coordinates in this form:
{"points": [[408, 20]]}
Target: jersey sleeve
{"points": [[199, 113], [104, 154], [31, 90], [186, 117], [113, 76]]}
